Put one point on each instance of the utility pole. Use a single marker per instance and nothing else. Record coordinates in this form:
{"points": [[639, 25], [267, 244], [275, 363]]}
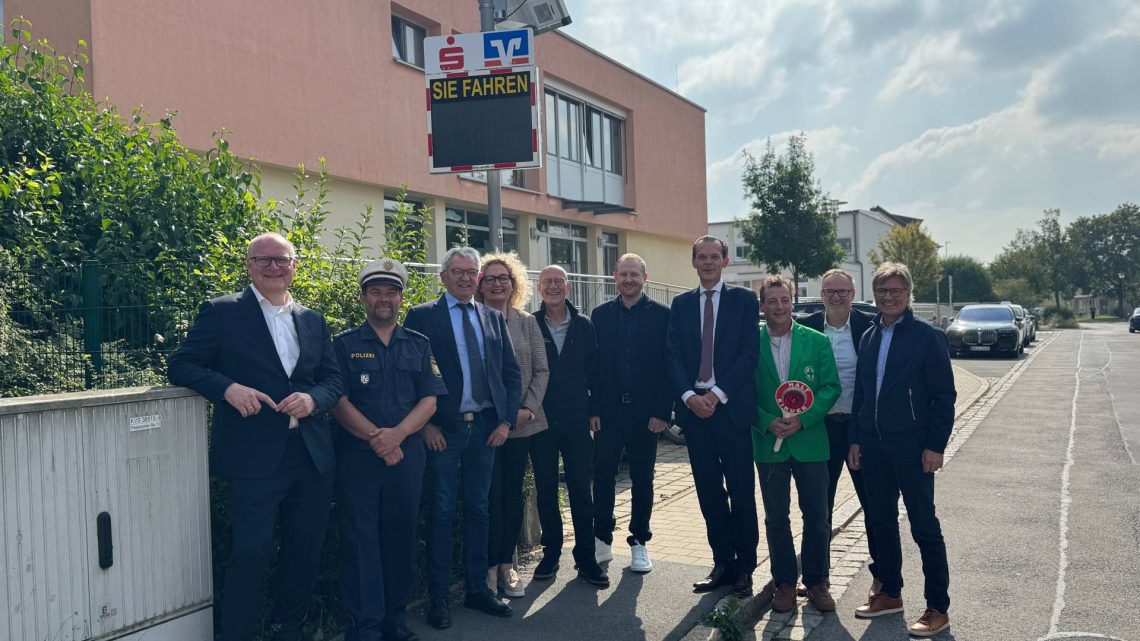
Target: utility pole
{"points": [[494, 183]]}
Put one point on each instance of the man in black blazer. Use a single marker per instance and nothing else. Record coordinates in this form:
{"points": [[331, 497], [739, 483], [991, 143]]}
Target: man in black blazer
{"points": [[713, 344], [634, 401], [484, 384], [845, 327], [268, 365]]}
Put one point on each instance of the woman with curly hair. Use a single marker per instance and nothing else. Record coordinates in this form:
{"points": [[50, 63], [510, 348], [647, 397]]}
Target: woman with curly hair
{"points": [[503, 285]]}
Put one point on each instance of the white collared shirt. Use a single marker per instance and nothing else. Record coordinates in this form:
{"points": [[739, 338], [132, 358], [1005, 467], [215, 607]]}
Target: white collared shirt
{"points": [[717, 290], [279, 320], [846, 359]]}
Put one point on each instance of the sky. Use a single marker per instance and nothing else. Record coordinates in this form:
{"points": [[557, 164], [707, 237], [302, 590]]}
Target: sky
{"points": [[973, 115]]}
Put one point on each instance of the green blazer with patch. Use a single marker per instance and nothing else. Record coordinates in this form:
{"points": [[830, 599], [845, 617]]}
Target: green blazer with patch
{"points": [[812, 362]]}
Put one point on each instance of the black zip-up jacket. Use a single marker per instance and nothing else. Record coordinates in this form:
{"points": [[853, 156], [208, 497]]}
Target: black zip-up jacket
{"points": [[572, 372], [917, 397]]}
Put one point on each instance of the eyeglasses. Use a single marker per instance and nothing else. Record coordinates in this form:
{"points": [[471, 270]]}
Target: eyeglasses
{"points": [[264, 261], [459, 273], [502, 279], [557, 283], [891, 291], [842, 293]]}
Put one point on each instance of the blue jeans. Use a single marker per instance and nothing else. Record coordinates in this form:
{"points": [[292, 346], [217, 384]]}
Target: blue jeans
{"points": [[776, 490], [888, 469], [466, 452]]}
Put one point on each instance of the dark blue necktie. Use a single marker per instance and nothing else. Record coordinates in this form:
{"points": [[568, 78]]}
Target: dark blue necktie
{"points": [[480, 392]]}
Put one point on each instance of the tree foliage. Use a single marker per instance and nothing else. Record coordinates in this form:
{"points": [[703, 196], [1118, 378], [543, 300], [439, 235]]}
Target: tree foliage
{"points": [[791, 226], [1044, 258], [1106, 246], [912, 246], [972, 282]]}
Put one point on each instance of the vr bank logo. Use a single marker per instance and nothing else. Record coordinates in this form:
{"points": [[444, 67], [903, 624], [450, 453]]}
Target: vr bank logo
{"points": [[504, 48]]}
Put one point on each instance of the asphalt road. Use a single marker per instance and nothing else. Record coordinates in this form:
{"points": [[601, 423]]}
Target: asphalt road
{"points": [[1040, 507]]}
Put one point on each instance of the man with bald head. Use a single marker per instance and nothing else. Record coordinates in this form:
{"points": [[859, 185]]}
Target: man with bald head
{"points": [[268, 365], [572, 350]]}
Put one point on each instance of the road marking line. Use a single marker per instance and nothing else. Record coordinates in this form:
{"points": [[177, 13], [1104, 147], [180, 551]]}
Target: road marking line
{"points": [[1066, 499]]}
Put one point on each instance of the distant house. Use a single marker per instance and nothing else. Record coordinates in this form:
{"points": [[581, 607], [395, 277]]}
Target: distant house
{"points": [[858, 231]]}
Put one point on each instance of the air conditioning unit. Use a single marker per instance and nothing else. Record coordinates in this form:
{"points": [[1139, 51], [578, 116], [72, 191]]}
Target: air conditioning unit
{"points": [[540, 15]]}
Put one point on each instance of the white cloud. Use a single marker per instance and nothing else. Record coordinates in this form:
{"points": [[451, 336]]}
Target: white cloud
{"points": [[829, 147], [930, 68]]}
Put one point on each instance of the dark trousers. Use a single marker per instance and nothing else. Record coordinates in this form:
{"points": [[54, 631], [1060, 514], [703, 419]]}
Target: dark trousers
{"points": [[301, 497], [837, 439], [811, 489], [889, 468], [720, 454], [576, 448], [466, 456], [378, 508], [622, 430], [506, 501]]}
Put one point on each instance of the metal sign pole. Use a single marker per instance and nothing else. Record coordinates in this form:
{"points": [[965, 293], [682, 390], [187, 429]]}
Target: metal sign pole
{"points": [[494, 184]]}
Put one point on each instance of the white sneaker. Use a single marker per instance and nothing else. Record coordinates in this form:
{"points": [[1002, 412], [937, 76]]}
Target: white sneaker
{"points": [[510, 583], [640, 562], [602, 551]]}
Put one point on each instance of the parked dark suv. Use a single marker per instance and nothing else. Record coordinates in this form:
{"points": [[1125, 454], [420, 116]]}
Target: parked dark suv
{"points": [[985, 329], [1134, 322]]}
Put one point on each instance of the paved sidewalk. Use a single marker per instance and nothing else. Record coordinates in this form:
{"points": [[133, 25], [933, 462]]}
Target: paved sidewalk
{"points": [[661, 606]]}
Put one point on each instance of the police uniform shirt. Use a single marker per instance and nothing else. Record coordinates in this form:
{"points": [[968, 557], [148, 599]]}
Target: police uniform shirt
{"points": [[383, 381]]}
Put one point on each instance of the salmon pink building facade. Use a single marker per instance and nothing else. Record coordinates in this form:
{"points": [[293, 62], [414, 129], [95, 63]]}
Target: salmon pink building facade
{"points": [[293, 81]]}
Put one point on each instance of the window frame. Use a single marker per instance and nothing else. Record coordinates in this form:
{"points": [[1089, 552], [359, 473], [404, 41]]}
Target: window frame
{"points": [[400, 28]]}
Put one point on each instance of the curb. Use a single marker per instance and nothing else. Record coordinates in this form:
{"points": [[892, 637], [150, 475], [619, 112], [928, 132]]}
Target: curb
{"points": [[754, 607]]}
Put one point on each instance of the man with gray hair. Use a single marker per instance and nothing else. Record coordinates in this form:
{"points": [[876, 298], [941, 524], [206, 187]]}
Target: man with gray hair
{"points": [[475, 357], [903, 410]]}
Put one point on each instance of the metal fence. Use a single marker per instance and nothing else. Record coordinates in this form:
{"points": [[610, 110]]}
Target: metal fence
{"points": [[99, 325]]}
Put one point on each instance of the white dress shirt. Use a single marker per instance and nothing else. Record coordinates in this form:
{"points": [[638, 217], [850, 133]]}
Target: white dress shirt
{"points": [[279, 320], [846, 359], [710, 384]]}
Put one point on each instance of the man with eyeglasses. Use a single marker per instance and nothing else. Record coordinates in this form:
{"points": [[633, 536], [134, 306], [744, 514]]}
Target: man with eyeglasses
{"points": [[474, 353], [844, 327], [268, 365], [903, 411]]}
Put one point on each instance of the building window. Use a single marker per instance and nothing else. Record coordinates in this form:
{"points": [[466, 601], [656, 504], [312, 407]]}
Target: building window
{"points": [[584, 134], [845, 245], [473, 229], [412, 221], [610, 259], [408, 41], [741, 252]]}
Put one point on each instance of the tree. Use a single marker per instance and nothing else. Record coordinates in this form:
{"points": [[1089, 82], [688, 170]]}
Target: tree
{"points": [[1105, 247], [1056, 255], [972, 281], [912, 246], [1018, 261], [791, 226], [1017, 291]]}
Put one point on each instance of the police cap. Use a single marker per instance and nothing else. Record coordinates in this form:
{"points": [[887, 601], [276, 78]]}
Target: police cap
{"points": [[383, 271]]}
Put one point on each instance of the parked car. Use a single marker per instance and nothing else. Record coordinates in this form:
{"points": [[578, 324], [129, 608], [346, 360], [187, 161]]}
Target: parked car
{"points": [[986, 329], [1027, 322], [1134, 322]]}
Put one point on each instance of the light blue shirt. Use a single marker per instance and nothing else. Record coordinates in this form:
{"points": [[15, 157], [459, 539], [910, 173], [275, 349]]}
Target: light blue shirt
{"points": [[466, 402], [846, 361], [886, 334]]}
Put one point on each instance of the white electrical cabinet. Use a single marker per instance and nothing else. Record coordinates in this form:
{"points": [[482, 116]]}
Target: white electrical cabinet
{"points": [[105, 517]]}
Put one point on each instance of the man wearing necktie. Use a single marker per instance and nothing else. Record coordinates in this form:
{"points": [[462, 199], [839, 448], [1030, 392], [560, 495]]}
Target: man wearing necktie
{"points": [[474, 353], [713, 346], [268, 365]]}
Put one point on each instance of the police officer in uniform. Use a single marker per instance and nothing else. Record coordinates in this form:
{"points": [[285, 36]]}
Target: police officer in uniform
{"points": [[391, 384]]}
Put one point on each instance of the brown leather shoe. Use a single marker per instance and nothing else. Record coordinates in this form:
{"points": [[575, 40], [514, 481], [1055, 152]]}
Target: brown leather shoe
{"points": [[876, 587], [878, 605], [930, 623], [784, 598], [820, 597]]}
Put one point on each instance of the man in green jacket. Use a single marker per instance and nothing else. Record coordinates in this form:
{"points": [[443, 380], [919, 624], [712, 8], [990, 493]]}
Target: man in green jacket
{"points": [[795, 446]]}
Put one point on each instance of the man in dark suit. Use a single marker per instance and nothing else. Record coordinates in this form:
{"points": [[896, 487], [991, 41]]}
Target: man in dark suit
{"points": [[713, 343], [634, 401], [844, 326], [269, 367], [484, 384]]}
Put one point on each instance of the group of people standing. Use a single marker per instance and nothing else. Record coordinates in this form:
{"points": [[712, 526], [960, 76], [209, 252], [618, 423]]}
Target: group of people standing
{"points": [[471, 387]]}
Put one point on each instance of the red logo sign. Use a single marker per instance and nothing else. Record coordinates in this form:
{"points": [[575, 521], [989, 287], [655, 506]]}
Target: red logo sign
{"points": [[451, 58]]}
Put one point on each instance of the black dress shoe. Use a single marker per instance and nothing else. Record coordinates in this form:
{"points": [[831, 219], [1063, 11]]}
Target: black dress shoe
{"points": [[742, 588], [546, 568], [487, 602], [593, 574], [402, 633], [439, 614], [720, 575]]}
